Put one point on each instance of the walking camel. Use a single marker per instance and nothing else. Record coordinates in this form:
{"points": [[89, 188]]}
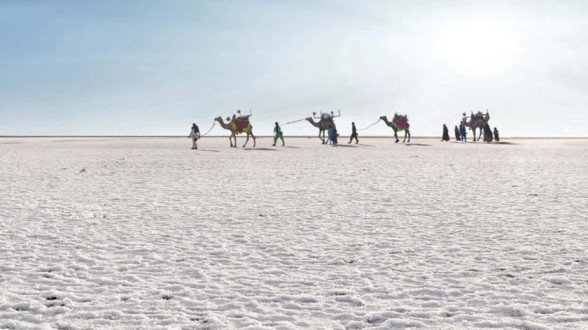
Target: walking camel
{"points": [[237, 125], [398, 123], [477, 121], [326, 121]]}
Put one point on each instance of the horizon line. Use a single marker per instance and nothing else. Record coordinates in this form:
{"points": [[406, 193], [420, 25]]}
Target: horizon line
{"points": [[271, 136]]}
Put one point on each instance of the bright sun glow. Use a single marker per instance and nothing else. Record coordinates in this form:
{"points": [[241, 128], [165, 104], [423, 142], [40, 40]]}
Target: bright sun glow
{"points": [[480, 48]]}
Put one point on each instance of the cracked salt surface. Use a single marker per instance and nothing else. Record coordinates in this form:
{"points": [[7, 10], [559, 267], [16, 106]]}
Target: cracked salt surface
{"points": [[146, 233]]}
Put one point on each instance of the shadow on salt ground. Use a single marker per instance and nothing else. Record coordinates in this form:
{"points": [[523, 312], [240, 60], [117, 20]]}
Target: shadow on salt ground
{"points": [[291, 147], [208, 150], [261, 149], [344, 145], [81, 140], [485, 143], [417, 144]]}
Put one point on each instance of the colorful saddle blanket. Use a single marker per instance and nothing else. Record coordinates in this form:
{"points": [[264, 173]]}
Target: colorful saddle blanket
{"points": [[241, 125], [401, 122]]}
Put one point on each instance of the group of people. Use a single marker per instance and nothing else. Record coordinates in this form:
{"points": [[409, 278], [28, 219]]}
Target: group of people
{"points": [[462, 135], [279, 135]]}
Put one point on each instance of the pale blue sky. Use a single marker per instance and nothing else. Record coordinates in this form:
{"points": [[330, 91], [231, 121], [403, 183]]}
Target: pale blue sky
{"points": [[154, 67]]}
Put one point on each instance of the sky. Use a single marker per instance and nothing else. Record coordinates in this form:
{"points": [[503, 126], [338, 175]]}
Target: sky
{"points": [[142, 67]]}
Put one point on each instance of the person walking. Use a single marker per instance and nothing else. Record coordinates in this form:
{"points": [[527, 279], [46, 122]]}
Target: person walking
{"points": [[488, 133], [194, 135], [457, 135], [353, 134], [278, 135], [332, 132], [496, 136], [463, 133], [445, 136]]}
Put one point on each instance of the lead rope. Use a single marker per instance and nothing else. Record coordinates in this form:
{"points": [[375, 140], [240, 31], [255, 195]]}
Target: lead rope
{"points": [[295, 121], [211, 127], [363, 129]]}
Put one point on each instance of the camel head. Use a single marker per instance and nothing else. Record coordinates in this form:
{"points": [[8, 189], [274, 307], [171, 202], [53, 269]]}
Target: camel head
{"points": [[219, 119], [383, 118]]}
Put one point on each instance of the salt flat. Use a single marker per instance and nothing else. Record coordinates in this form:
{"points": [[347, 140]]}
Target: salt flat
{"points": [[146, 233]]}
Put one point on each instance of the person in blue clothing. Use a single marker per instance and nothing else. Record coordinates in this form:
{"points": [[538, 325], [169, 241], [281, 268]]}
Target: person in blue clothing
{"points": [[463, 133], [332, 134]]}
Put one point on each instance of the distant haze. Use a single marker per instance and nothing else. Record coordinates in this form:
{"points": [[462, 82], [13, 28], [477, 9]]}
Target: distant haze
{"points": [[154, 67]]}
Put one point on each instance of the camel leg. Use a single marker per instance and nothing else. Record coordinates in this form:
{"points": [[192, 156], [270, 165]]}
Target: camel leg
{"points": [[396, 136], [234, 145], [253, 136], [246, 140], [404, 141], [231, 140], [322, 137], [408, 132]]}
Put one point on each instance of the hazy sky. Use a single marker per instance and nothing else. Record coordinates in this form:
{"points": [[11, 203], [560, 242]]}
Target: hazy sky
{"points": [[154, 67]]}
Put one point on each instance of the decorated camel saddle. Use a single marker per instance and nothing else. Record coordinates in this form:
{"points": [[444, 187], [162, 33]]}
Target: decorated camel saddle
{"points": [[400, 121], [240, 124], [478, 114], [326, 116]]}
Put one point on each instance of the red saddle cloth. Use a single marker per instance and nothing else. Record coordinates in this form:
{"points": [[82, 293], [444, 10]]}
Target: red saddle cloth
{"points": [[241, 124]]}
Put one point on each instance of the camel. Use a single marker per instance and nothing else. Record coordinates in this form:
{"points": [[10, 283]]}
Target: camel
{"points": [[399, 123], [477, 121], [237, 126], [323, 124]]}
